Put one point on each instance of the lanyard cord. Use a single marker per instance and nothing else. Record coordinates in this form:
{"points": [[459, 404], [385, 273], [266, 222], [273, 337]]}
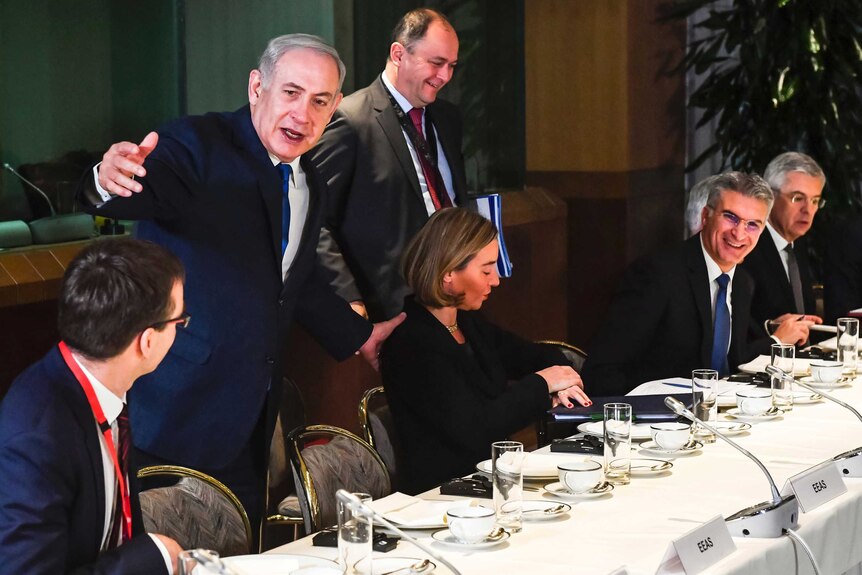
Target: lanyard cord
{"points": [[106, 431]]}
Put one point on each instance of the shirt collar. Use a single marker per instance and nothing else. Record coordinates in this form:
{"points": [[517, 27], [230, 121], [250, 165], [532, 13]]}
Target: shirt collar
{"points": [[294, 165], [402, 101], [780, 243], [110, 403], [712, 269]]}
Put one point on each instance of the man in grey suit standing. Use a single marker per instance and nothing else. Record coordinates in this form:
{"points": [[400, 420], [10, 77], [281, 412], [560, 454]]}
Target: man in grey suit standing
{"points": [[391, 157]]}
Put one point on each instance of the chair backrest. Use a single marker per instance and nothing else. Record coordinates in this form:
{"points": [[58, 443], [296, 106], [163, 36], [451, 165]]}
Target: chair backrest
{"points": [[324, 459], [196, 511], [576, 356], [378, 429]]}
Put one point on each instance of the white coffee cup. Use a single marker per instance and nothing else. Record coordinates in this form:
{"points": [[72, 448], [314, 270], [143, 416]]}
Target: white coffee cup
{"points": [[580, 476], [826, 371], [754, 401], [670, 435], [470, 524]]}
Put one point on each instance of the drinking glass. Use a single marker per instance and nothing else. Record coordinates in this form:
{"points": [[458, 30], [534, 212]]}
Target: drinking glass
{"points": [[618, 442], [354, 537], [507, 461], [199, 562], [782, 356], [705, 382], [848, 339]]}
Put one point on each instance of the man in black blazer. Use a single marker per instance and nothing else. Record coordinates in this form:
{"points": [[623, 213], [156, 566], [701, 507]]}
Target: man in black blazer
{"points": [[61, 506], [233, 197], [661, 322], [379, 192], [779, 263]]}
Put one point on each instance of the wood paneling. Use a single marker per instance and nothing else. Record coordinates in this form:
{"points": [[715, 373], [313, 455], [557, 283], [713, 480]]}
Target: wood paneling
{"points": [[576, 85]]}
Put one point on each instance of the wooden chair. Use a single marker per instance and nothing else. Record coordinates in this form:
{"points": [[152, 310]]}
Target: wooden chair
{"points": [[378, 429], [196, 511], [324, 459]]}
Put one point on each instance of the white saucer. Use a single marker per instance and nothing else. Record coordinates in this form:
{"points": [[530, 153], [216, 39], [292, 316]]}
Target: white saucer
{"points": [[640, 431], [532, 510], [731, 427], [735, 413], [687, 449], [446, 538], [644, 466], [561, 491], [843, 381], [804, 398], [384, 564]]}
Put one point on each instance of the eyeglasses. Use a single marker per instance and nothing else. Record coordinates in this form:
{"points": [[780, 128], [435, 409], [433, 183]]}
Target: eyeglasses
{"points": [[799, 197], [181, 321], [750, 226]]}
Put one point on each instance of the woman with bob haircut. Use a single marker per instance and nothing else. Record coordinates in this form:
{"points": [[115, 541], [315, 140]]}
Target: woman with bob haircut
{"points": [[455, 383]]}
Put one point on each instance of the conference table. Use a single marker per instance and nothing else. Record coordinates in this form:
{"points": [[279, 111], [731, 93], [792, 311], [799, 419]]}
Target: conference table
{"points": [[629, 530]]}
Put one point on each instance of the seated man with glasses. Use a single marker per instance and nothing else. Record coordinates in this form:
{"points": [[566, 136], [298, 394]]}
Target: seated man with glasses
{"points": [[69, 502], [779, 264], [688, 307]]}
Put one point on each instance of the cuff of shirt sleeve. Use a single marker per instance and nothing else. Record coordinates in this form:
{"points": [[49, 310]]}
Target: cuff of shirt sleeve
{"points": [[103, 193], [775, 339], [164, 551]]}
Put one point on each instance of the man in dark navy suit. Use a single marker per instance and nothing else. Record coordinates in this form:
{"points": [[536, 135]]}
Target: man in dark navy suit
{"points": [[779, 264], [232, 196], [62, 501], [688, 307]]}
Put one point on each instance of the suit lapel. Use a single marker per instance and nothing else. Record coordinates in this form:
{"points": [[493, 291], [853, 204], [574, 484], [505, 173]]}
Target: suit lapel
{"points": [[268, 180], [392, 129], [740, 299], [699, 282], [775, 269], [84, 418]]}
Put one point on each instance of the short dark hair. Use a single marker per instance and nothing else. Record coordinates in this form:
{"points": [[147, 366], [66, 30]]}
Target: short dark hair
{"points": [[413, 26], [447, 242], [112, 291]]}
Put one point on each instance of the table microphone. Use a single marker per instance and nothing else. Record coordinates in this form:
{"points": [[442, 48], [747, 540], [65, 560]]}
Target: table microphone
{"points": [[764, 520], [358, 507], [849, 463]]}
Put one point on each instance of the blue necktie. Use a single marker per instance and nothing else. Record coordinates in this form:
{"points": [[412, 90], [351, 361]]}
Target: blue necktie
{"points": [[721, 328], [285, 170]]}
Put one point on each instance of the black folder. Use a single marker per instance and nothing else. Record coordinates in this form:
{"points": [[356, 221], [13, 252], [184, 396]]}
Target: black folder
{"points": [[645, 408]]}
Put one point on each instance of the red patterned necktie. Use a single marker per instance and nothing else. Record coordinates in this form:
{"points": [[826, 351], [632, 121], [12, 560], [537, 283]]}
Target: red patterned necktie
{"points": [[123, 444], [432, 175]]}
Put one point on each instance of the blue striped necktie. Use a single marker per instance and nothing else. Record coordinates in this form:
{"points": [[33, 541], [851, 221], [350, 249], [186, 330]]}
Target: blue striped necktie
{"points": [[721, 328], [285, 170]]}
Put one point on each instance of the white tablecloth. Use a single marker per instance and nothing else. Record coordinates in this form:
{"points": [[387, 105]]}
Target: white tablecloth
{"points": [[635, 525]]}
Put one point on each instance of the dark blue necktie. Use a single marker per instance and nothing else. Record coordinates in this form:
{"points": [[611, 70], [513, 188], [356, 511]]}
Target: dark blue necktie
{"points": [[721, 328], [285, 170]]}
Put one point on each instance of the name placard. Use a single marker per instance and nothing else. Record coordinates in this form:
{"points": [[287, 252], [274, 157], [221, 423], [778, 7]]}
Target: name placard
{"points": [[700, 548], [814, 487]]}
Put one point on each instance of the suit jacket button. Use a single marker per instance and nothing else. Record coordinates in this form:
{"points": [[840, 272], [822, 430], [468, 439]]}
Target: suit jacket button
{"points": [[269, 360], [281, 302]]}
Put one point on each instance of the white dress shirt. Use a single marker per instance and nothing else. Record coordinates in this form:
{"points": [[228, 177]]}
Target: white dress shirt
{"points": [[298, 196], [713, 272], [442, 162]]}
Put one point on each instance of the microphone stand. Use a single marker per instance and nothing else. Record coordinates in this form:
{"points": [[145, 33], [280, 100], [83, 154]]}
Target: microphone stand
{"points": [[32, 185], [764, 520], [357, 506], [849, 463]]}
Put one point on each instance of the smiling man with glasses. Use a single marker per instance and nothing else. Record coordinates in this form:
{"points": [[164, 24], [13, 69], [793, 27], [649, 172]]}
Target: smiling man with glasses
{"points": [[687, 307], [779, 264]]}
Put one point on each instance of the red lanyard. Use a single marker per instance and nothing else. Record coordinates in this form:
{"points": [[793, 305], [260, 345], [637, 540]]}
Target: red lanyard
{"points": [[106, 431]]}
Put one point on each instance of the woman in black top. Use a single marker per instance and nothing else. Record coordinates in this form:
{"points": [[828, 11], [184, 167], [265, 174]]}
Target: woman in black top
{"points": [[455, 383]]}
